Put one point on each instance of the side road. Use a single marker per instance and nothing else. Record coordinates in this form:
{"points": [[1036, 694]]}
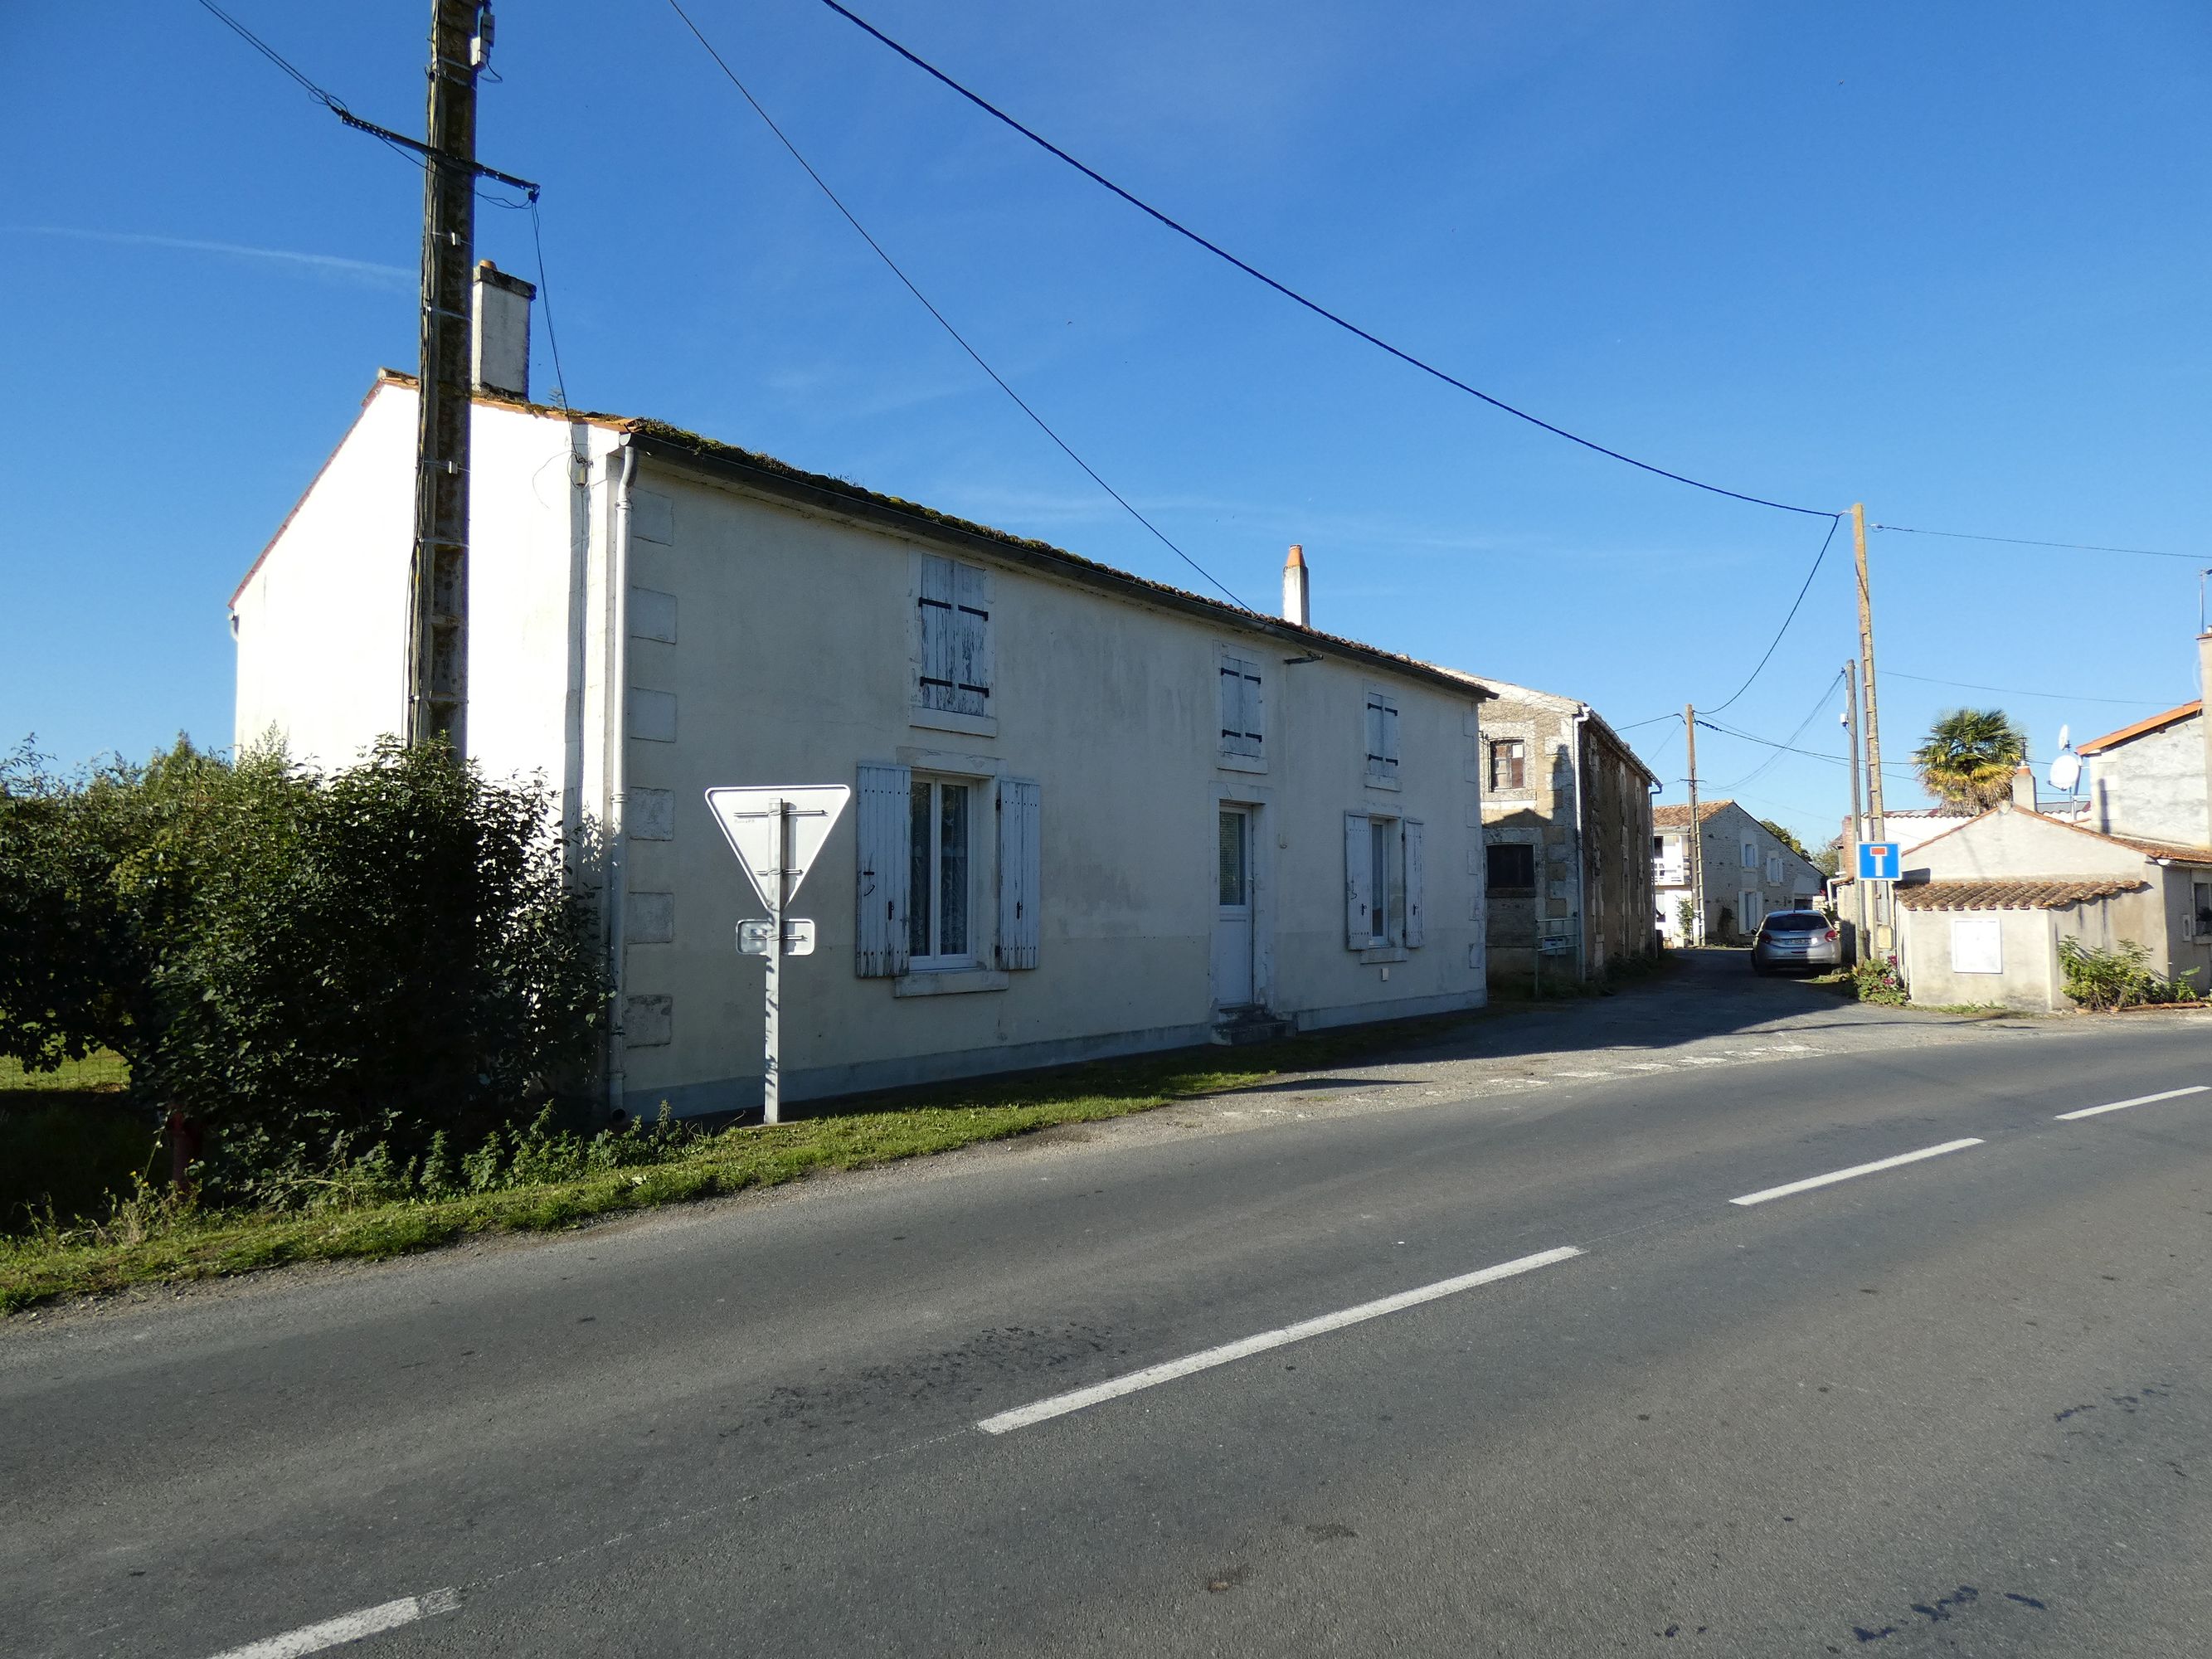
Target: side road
{"points": [[762, 1421]]}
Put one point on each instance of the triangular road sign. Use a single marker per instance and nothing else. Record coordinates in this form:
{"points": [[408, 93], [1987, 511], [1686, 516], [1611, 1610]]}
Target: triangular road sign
{"points": [[753, 819]]}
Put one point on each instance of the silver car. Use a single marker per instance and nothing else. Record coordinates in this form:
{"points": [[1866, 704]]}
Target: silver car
{"points": [[1796, 939]]}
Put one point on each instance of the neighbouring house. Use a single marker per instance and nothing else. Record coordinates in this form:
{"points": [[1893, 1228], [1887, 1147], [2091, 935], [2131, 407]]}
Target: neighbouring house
{"points": [[1566, 824], [1981, 910], [1749, 871], [2148, 779], [1092, 814]]}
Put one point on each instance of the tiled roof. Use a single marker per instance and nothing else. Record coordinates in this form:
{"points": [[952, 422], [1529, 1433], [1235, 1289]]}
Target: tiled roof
{"points": [[1678, 817], [2163, 850], [2020, 893], [2112, 739]]}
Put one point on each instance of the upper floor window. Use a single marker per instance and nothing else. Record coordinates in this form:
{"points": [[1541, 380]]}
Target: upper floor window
{"points": [[1774, 866], [1381, 738], [1243, 723], [1750, 853], [954, 606], [1509, 764]]}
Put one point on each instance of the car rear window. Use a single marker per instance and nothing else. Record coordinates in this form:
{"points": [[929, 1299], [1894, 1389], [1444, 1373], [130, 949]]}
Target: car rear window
{"points": [[1796, 921]]}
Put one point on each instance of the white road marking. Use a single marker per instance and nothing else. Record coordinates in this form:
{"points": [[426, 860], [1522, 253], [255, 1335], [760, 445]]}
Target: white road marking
{"points": [[2140, 1100], [348, 1627], [1060, 1404], [1834, 1176]]}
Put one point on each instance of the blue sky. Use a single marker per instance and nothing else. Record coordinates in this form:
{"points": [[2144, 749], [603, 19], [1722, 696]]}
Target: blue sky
{"points": [[1949, 260]]}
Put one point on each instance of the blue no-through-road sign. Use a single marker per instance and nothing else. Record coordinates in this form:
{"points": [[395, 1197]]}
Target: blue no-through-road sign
{"points": [[1877, 861]]}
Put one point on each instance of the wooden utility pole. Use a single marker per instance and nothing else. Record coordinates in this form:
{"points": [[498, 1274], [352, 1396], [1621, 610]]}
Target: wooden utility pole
{"points": [[1873, 713], [438, 576], [1697, 832], [1858, 821]]}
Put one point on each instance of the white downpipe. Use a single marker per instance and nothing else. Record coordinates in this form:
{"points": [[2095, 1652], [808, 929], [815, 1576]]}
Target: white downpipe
{"points": [[618, 724]]}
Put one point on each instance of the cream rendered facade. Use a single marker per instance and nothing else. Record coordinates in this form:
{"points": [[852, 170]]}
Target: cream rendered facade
{"points": [[653, 616]]}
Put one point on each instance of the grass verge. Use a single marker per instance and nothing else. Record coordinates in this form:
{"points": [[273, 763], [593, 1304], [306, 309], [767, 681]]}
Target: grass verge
{"points": [[150, 1239]]}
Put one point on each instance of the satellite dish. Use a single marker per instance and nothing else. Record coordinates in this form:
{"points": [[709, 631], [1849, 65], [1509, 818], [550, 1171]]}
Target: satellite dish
{"points": [[2066, 766]]}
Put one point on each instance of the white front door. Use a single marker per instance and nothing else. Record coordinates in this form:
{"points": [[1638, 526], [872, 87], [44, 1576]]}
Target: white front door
{"points": [[1232, 924]]}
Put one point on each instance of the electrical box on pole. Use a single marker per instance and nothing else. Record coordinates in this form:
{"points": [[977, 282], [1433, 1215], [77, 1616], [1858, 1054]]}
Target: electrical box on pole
{"points": [[438, 574]]}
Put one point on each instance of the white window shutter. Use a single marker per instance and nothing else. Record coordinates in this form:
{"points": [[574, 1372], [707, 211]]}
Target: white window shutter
{"points": [[971, 634], [1391, 738], [1252, 710], [1232, 700], [880, 938], [1357, 850], [1021, 847], [1413, 862]]}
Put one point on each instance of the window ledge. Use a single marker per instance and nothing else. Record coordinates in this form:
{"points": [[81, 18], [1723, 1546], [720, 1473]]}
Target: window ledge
{"points": [[1383, 953], [1241, 762], [1373, 782], [949, 982], [943, 720]]}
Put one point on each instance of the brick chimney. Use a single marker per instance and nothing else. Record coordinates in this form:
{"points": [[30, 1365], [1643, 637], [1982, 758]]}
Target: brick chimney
{"points": [[1295, 607], [2023, 787], [501, 305]]}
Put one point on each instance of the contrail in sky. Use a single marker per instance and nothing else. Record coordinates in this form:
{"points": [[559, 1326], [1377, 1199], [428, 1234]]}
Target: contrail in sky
{"points": [[364, 271]]}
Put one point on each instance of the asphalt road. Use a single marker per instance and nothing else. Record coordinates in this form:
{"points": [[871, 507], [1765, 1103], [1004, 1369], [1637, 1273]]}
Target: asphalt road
{"points": [[1961, 1404]]}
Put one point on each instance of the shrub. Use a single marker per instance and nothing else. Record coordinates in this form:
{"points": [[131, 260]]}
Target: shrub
{"points": [[1875, 980], [2104, 979], [313, 966]]}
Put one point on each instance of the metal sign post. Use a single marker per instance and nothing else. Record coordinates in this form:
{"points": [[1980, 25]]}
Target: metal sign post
{"points": [[776, 834]]}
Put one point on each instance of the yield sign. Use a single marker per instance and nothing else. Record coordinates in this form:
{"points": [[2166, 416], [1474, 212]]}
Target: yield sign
{"points": [[757, 820]]}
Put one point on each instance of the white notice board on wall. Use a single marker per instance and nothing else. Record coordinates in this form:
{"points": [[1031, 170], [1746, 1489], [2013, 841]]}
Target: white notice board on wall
{"points": [[1976, 945]]}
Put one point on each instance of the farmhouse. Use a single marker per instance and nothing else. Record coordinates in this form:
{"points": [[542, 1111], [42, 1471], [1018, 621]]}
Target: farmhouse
{"points": [[1092, 814]]}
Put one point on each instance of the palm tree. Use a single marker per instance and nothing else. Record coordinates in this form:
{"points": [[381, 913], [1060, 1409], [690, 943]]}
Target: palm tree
{"points": [[1968, 759]]}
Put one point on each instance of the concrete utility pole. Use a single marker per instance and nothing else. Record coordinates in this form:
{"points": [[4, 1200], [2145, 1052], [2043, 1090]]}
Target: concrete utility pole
{"points": [[438, 577], [1859, 822], [1697, 832], [1873, 714]]}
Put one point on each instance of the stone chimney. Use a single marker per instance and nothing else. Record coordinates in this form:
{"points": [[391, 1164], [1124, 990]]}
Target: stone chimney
{"points": [[2023, 789], [1297, 609], [501, 305]]}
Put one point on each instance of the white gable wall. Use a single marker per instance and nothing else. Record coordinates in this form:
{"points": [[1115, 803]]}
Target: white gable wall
{"points": [[2007, 844]]}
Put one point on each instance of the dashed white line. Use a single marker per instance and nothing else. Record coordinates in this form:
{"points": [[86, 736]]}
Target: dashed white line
{"points": [[1834, 1176], [2140, 1100], [348, 1627], [1060, 1404]]}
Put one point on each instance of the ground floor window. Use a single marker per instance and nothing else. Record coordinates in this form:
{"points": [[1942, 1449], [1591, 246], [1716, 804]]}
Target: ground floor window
{"points": [[1512, 867], [939, 877]]}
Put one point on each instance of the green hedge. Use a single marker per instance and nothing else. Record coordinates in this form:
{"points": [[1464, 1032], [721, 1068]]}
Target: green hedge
{"points": [[302, 962]]}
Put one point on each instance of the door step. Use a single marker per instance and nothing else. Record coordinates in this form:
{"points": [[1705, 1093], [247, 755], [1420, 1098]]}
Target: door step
{"points": [[1252, 1025]]}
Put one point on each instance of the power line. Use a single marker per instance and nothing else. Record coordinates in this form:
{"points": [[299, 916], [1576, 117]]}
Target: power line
{"points": [[1804, 588], [1775, 759], [959, 339], [2020, 691], [2022, 541], [1292, 295]]}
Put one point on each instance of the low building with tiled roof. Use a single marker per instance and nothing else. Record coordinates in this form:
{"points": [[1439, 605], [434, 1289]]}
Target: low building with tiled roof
{"points": [[1982, 907]]}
